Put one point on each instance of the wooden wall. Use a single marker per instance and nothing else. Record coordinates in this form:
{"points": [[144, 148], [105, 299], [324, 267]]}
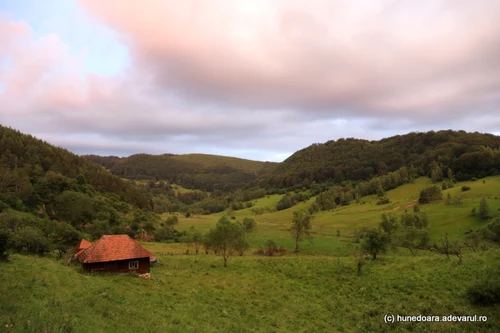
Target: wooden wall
{"points": [[121, 266]]}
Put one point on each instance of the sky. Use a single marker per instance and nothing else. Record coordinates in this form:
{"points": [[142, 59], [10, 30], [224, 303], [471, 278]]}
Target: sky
{"points": [[257, 79]]}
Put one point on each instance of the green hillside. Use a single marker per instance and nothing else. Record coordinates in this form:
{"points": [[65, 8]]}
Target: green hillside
{"points": [[195, 171], [50, 197], [443, 218], [438, 253], [466, 154]]}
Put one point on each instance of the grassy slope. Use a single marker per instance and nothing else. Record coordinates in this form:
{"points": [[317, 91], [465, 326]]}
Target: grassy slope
{"points": [[300, 293], [253, 294], [442, 218]]}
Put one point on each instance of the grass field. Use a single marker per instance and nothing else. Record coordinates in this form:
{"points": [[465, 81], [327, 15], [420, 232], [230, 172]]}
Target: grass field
{"points": [[443, 218], [317, 290], [292, 293]]}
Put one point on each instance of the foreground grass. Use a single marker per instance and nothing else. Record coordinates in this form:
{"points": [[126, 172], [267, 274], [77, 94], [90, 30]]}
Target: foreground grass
{"points": [[293, 293]]}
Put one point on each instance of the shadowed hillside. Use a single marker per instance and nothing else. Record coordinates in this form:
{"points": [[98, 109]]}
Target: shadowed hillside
{"points": [[195, 171]]}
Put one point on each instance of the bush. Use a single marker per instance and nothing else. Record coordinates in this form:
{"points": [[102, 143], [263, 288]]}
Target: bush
{"points": [[271, 247], [486, 292], [383, 201], [249, 224], [5, 239], [465, 188], [430, 194], [285, 202]]}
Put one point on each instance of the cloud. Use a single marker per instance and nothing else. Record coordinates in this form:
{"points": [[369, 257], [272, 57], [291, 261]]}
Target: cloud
{"points": [[328, 57], [255, 78]]}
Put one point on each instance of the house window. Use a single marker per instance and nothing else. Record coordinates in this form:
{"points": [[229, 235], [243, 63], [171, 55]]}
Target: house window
{"points": [[133, 264]]}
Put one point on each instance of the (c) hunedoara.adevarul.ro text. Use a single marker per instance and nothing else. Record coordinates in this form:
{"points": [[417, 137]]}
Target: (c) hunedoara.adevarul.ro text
{"points": [[390, 318]]}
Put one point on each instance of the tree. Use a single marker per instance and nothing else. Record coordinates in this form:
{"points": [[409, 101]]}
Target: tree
{"points": [[285, 202], [74, 207], [389, 222], [192, 237], [5, 239], [30, 239], [172, 220], [413, 239], [226, 238], [484, 209], [270, 247], [64, 236], [197, 239], [249, 224], [429, 194], [375, 241], [301, 226]]}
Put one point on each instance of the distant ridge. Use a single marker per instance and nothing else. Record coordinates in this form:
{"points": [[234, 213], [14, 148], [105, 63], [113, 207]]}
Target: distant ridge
{"points": [[195, 171], [468, 155]]}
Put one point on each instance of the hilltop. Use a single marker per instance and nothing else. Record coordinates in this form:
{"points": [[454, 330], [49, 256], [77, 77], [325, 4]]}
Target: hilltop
{"points": [[468, 155], [196, 171]]}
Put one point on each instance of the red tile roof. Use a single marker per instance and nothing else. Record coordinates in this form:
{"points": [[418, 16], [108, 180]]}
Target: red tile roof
{"points": [[114, 247], [83, 244]]}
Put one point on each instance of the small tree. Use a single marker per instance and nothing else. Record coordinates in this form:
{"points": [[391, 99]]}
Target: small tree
{"points": [[249, 224], [271, 247], [429, 194], [374, 242], [301, 226], [172, 220], [5, 239], [484, 209], [359, 260], [446, 245], [285, 202], [197, 239], [226, 238], [413, 239], [472, 241], [389, 222]]}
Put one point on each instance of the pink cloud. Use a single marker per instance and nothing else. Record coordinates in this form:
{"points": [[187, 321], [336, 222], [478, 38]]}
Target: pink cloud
{"points": [[314, 54], [255, 74]]}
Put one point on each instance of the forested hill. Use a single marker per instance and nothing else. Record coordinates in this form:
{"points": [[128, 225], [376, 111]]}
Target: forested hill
{"points": [[34, 173], [466, 154], [195, 171]]}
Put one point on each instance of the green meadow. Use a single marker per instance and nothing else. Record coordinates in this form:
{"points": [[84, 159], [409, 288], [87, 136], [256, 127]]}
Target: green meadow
{"points": [[344, 220], [317, 290]]}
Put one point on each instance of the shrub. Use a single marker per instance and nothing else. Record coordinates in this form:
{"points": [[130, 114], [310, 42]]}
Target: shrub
{"points": [[429, 194], [383, 201], [249, 224], [285, 202], [5, 239], [271, 247], [465, 188], [486, 292]]}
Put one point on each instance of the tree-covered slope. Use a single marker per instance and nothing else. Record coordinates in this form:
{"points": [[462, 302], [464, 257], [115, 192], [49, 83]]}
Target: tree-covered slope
{"points": [[30, 167], [466, 154], [50, 197], [195, 171]]}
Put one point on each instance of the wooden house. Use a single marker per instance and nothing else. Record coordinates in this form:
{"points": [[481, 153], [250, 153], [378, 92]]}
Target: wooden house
{"points": [[116, 253]]}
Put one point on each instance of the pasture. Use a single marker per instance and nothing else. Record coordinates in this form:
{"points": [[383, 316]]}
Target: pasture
{"points": [[292, 293], [317, 290]]}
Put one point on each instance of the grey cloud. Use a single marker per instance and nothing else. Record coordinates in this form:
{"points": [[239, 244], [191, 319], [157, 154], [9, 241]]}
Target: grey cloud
{"points": [[264, 78]]}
